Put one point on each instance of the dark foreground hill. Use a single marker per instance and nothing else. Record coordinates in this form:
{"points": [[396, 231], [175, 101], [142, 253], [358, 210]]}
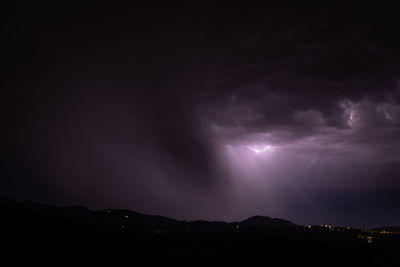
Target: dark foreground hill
{"points": [[34, 234]]}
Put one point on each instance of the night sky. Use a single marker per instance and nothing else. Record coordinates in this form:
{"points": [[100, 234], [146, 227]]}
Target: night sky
{"points": [[198, 111]]}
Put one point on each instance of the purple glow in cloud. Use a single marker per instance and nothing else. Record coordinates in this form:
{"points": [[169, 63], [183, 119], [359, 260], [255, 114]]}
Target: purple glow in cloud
{"points": [[204, 114]]}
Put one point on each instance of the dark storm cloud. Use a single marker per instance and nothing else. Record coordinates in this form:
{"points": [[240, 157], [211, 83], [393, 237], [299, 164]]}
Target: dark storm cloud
{"points": [[287, 62], [135, 107], [85, 63], [325, 92]]}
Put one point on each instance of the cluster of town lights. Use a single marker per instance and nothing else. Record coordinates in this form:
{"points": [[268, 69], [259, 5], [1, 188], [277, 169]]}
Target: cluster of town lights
{"points": [[324, 226]]}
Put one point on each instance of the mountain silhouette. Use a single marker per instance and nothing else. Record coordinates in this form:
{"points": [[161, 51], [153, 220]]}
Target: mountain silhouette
{"points": [[36, 234], [130, 220], [265, 221]]}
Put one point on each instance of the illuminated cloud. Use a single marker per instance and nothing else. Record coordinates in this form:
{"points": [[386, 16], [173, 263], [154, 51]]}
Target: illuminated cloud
{"points": [[206, 115]]}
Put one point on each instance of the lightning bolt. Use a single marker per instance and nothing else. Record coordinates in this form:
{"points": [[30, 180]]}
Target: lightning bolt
{"points": [[263, 149], [312, 162]]}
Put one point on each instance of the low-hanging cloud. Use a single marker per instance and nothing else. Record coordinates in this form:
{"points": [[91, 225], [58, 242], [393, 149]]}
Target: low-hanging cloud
{"points": [[158, 117]]}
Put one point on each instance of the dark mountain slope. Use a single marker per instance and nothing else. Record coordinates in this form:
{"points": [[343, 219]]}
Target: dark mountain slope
{"points": [[34, 234]]}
